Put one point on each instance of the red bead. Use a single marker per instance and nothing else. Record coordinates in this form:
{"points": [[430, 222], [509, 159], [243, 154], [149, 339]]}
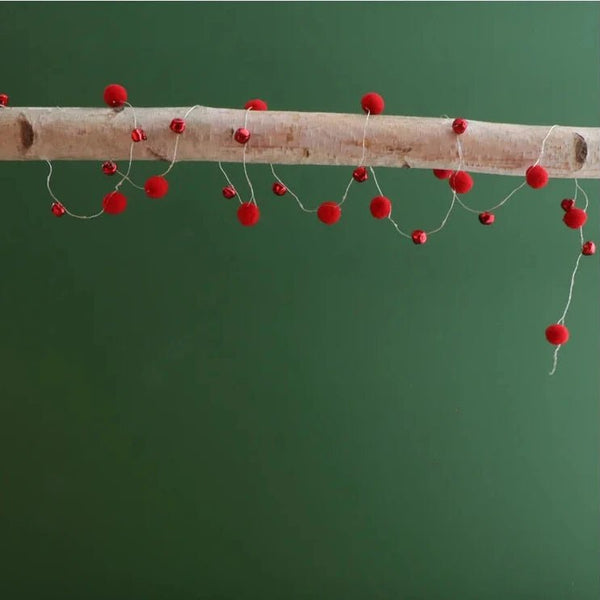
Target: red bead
{"points": [[3, 99], [248, 214], [575, 218], [156, 187], [279, 189], [241, 135], [256, 104], [109, 167], [588, 249], [372, 103], [486, 218], [58, 209], [177, 125], [381, 207], [229, 192], [360, 174], [114, 203], [567, 204], [329, 213], [461, 182], [557, 334], [138, 135], [419, 236], [536, 176], [459, 126], [115, 95], [442, 173]]}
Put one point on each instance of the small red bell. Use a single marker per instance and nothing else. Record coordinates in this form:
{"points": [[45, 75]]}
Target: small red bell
{"points": [[486, 218], [3, 99], [138, 135], [567, 204], [360, 174], [58, 210], [229, 192], [279, 189], [459, 126], [109, 167], [419, 236], [177, 125], [588, 249], [241, 135]]}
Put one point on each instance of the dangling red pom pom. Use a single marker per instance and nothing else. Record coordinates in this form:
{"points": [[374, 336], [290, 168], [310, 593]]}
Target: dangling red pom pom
{"points": [[588, 249], [459, 126], [419, 236], [567, 204], [248, 214], [381, 207], [536, 176], [461, 182], [372, 103], [114, 203], [442, 173], [58, 210], [329, 213], [360, 174], [486, 218], [3, 100], [256, 104], [575, 218], [156, 187], [279, 189], [229, 192], [115, 95], [557, 334]]}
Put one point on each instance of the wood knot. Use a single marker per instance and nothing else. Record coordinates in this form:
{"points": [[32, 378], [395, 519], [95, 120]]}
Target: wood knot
{"points": [[27, 133], [581, 150]]}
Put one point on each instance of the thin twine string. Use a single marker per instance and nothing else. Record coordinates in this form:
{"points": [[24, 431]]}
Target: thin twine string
{"points": [[229, 182], [126, 175], [177, 142], [85, 217], [252, 198], [306, 210], [362, 158], [561, 321]]}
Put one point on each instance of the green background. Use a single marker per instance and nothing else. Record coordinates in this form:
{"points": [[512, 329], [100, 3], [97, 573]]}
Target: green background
{"points": [[193, 409]]}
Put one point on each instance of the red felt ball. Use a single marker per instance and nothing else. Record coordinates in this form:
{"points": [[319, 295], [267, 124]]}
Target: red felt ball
{"points": [[372, 103], [461, 182], [229, 192], [536, 176], [256, 104], [567, 204], [3, 100], [487, 218], [177, 126], [459, 126], [360, 174], [241, 135], [248, 214], [575, 218], [419, 236], [588, 249], [329, 213], [381, 207], [109, 167], [442, 173], [115, 95], [114, 203], [557, 334], [156, 187], [279, 189], [58, 210]]}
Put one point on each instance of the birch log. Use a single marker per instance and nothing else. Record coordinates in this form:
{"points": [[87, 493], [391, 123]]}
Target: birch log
{"points": [[296, 138]]}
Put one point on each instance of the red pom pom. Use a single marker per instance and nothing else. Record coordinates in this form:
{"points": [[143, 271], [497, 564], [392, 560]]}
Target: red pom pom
{"points": [[3, 100], [567, 204], [557, 334], [360, 174], [248, 214], [486, 218], [241, 135], [256, 104], [329, 213], [279, 189], [536, 176], [575, 218], [109, 167], [588, 249], [381, 207], [419, 236], [114, 203], [58, 210], [459, 126], [461, 182], [177, 126], [442, 173], [156, 187], [372, 103], [115, 95], [229, 192]]}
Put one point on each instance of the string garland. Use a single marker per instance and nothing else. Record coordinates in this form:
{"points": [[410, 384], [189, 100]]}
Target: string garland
{"points": [[329, 212]]}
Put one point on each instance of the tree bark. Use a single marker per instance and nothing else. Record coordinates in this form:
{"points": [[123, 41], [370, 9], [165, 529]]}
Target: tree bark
{"points": [[299, 138]]}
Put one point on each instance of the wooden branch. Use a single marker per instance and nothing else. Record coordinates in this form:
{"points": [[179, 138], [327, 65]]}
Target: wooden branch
{"points": [[298, 138]]}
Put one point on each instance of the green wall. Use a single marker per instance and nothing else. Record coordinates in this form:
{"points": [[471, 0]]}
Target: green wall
{"points": [[192, 409]]}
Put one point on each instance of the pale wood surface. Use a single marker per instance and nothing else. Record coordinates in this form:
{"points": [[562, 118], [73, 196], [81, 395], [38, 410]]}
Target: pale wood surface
{"points": [[299, 138]]}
